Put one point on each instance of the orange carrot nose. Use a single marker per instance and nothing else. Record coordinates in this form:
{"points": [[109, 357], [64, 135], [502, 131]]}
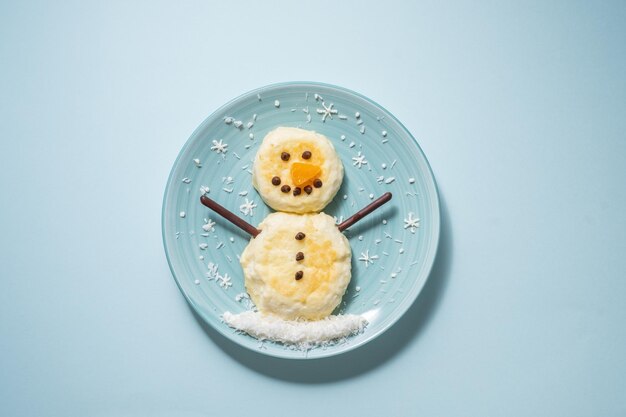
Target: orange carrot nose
{"points": [[303, 173]]}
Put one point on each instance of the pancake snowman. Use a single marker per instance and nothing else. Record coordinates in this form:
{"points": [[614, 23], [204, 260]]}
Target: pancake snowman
{"points": [[297, 265]]}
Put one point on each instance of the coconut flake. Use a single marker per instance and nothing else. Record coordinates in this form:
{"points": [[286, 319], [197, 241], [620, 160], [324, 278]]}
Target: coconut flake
{"points": [[302, 333]]}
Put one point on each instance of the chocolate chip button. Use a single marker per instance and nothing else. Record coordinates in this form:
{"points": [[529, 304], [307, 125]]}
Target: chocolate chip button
{"points": [[276, 181], [285, 156], [317, 183], [299, 256], [285, 188], [308, 189], [299, 275], [306, 155], [300, 236], [297, 191]]}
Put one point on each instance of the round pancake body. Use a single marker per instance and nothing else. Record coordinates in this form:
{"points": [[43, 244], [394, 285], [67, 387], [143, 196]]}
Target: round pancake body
{"points": [[275, 258]]}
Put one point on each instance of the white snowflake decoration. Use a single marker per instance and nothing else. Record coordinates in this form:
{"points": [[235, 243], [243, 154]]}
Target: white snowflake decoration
{"points": [[219, 147], [359, 160], [208, 226], [326, 111], [224, 281], [247, 208], [212, 274], [367, 258], [411, 223]]}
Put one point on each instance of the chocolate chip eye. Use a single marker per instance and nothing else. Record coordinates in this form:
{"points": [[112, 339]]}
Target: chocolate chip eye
{"points": [[299, 256], [300, 236], [308, 189], [317, 183], [285, 156], [285, 188], [297, 191], [299, 275], [276, 181], [306, 155]]}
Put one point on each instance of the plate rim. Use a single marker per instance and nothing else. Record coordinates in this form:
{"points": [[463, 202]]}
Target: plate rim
{"points": [[429, 261]]}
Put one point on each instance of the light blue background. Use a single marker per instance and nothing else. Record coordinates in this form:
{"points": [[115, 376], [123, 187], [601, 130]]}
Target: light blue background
{"points": [[520, 108]]}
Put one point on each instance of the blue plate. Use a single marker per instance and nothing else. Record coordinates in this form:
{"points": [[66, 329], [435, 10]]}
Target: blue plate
{"points": [[400, 238]]}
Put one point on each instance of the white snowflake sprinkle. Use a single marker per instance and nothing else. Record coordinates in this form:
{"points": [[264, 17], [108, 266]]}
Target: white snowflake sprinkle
{"points": [[343, 137], [384, 133], [383, 166], [367, 258], [243, 193], [197, 282], [362, 130], [208, 225], [371, 196], [359, 160], [326, 111], [186, 180], [276, 103], [247, 208], [390, 180], [228, 120], [238, 124], [204, 190], [197, 162], [212, 274], [380, 179], [219, 147], [352, 144], [411, 180], [357, 115], [251, 135], [411, 223], [224, 281], [182, 214], [203, 246]]}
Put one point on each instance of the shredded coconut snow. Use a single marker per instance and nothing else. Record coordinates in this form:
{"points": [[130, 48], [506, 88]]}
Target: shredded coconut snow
{"points": [[302, 333]]}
